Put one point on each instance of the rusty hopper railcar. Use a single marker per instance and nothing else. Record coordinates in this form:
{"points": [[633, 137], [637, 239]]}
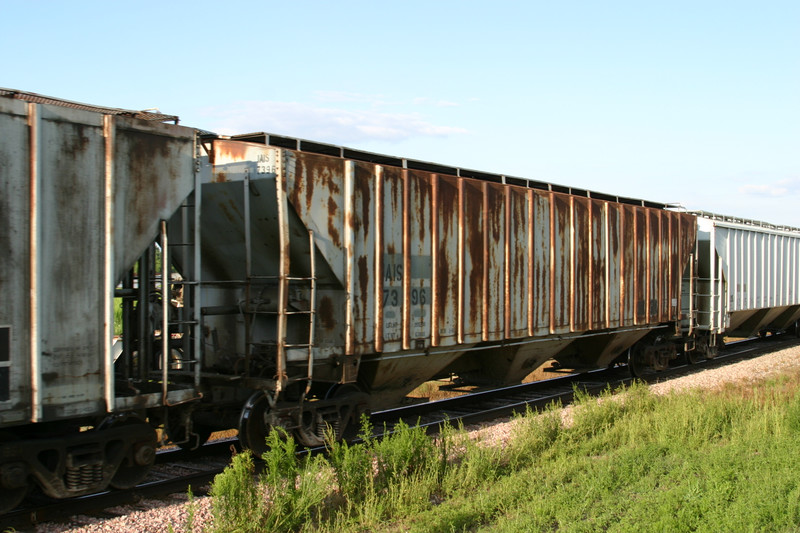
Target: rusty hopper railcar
{"points": [[350, 278], [82, 190]]}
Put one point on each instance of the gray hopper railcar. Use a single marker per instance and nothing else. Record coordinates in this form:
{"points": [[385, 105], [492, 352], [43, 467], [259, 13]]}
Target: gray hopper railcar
{"points": [[748, 280], [267, 281]]}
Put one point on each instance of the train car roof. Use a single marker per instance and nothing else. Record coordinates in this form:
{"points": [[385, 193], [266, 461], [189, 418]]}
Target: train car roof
{"points": [[303, 145], [744, 222], [148, 114]]}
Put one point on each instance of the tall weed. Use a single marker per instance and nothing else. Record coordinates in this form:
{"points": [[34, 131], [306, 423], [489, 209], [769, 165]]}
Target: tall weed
{"points": [[296, 488], [533, 433], [353, 465], [236, 505], [470, 465], [404, 453]]}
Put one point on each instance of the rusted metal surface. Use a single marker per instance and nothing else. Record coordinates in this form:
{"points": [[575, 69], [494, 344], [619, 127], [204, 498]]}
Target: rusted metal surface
{"points": [[82, 197], [421, 260], [446, 262], [153, 171], [519, 254], [392, 258], [473, 259]]}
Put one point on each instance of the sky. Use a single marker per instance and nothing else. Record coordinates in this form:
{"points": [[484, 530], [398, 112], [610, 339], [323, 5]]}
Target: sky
{"points": [[695, 103]]}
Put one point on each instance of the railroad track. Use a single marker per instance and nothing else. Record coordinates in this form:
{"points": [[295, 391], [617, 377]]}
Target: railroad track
{"points": [[502, 402], [176, 470]]}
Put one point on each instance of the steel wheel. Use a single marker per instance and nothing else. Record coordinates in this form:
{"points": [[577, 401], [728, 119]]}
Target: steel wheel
{"points": [[253, 426], [14, 480], [636, 363]]}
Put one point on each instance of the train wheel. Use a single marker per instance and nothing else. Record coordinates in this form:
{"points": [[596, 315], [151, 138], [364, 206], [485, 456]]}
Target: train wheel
{"points": [[141, 456], [693, 357], [14, 481], [636, 362], [11, 497], [253, 426]]}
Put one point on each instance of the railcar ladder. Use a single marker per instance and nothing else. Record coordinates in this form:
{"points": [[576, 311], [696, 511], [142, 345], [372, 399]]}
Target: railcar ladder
{"points": [[282, 312], [284, 279], [186, 320]]}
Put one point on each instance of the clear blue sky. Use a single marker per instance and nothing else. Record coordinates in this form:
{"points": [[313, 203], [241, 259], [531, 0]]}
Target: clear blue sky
{"points": [[690, 102]]}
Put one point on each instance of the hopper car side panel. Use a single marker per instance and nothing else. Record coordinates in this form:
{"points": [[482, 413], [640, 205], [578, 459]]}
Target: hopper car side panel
{"points": [[750, 274], [423, 265], [70, 176], [83, 193], [54, 296], [15, 348]]}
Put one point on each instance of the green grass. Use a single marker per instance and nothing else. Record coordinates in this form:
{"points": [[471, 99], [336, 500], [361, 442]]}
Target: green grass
{"points": [[117, 316], [724, 461]]}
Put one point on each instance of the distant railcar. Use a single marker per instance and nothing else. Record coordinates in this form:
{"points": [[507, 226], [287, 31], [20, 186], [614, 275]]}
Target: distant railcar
{"points": [[265, 281], [748, 279]]}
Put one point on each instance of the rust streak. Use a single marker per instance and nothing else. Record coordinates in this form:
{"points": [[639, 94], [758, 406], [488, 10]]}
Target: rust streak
{"points": [[406, 264], [551, 272], [446, 243], [531, 295], [435, 304], [507, 265], [485, 259], [333, 214], [378, 259], [461, 280]]}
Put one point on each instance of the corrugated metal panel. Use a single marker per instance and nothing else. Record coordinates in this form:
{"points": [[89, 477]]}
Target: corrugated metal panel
{"points": [[539, 262], [489, 261], [413, 261], [417, 271], [598, 265], [518, 276], [472, 252], [754, 267], [391, 256], [614, 262], [446, 261]]}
